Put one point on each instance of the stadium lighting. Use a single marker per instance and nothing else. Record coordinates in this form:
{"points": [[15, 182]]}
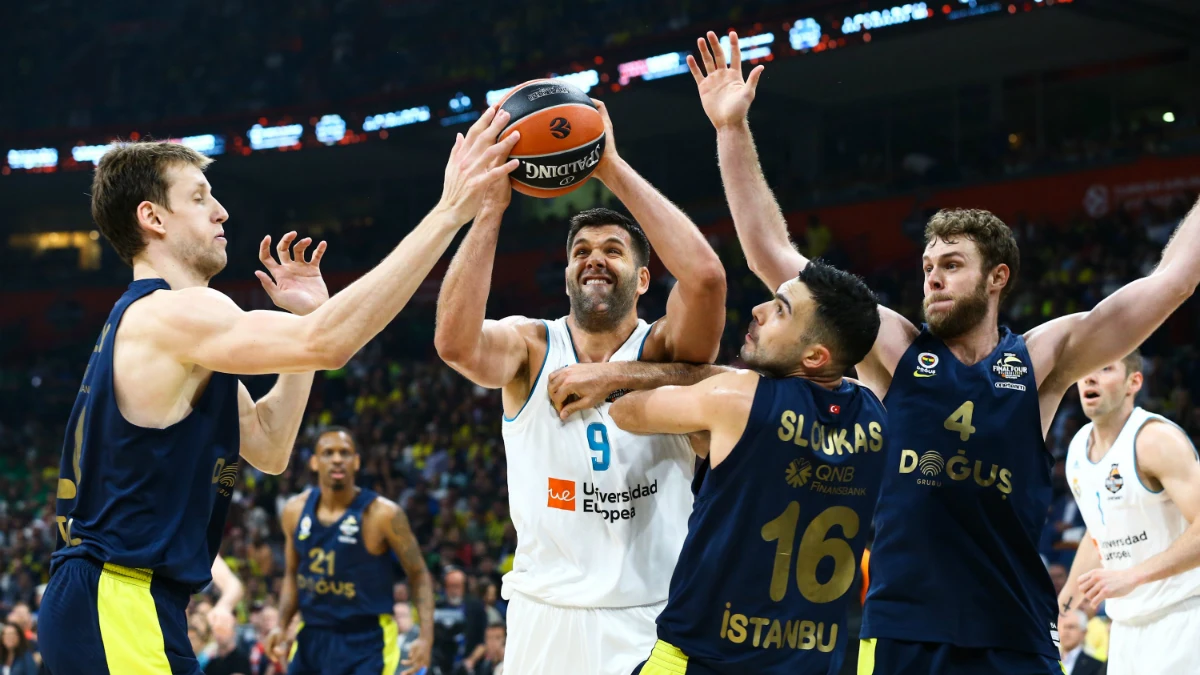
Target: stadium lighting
{"points": [[804, 34], [331, 129], [265, 138], [460, 102], [653, 68], [90, 153], [205, 144], [399, 118], [897, 15], [38, 158], [584, 80], [753, 46], [1168, 117]]}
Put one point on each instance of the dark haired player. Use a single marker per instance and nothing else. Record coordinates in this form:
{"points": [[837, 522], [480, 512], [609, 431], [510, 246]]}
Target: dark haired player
{"points": [[161, 422], [600, 513], [957, 585], [785, 495], [339, 540]]}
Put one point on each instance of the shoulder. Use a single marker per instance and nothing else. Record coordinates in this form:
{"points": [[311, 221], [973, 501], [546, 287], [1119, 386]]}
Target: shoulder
{"points": [[187, 310], [740, 381], [1161, 445], [1045, 344], [382, 511], [294, 506]]}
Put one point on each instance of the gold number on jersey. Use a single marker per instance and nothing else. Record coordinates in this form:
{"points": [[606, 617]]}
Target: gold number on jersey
{"points": [[68, 488], [960, 421], [321, 559], [815, 545]]}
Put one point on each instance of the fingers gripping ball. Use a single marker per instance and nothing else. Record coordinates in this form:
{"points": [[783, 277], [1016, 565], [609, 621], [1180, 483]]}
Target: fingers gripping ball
{"points": [[562, 137]]}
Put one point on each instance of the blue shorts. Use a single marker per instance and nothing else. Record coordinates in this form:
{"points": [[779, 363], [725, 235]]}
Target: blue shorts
{"points": [[885, 656], [373, 649], [105, 619]]}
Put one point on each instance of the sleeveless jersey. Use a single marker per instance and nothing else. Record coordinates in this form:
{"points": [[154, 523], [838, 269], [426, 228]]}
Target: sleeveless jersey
{"points": [[600, 513], [963, 503], [340, 583], [1128, 521], [146, 498], [773, 544]]}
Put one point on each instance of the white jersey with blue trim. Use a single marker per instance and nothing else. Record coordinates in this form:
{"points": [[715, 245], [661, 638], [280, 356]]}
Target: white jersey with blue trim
{"points": [[1128, 521], [600, 513]]}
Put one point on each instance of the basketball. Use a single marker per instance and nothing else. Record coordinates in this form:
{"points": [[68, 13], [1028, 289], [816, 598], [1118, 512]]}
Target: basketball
{"points": [[562, 137]]}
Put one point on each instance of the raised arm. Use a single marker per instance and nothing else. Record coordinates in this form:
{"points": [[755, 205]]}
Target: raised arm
{"points": [[1070, 347], [719, 405], [691, 330], [276, 643], [761, 228], [230, 587], [1167, 457], [202, 326], [404, 544], [489, 353], [586, 385]]}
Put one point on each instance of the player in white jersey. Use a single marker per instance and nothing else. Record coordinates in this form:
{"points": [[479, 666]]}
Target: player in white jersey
{"points": [[600, 514], [1136, 479]]}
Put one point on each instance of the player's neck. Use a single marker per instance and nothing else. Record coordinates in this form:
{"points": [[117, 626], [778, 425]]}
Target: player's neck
{"points": [[599, 347], [975, 345], [1105, 429], [177, 276], [335, 500]]}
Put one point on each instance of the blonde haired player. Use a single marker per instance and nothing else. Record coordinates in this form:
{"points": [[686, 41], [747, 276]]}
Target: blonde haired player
{"points": [[1136, 479], [601, 514]]}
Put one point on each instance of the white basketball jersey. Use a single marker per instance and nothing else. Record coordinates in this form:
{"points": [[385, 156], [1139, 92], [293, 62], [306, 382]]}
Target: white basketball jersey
{"points": [[1128, 522], [601, 514]]}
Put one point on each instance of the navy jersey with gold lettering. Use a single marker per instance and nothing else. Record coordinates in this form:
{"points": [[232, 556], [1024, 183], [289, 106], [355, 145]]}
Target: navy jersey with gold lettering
{"points": [[339, 581], [964, 500], [144, 498], [775, 536]]}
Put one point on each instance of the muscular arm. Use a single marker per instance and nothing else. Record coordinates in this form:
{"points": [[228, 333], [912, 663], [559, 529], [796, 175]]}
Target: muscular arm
{"points": [[269, 426], [691, 329], [1087, 558], [229, 585], [1073, 346], [586, 385], [404, 544], [202, 326], [288, 592], [489, 353], [719, 405], [1165, 454]]}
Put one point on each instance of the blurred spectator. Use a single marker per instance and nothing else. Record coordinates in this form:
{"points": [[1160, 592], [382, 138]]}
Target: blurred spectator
{"points": [[225, 654], [492, 662], [406, 627], [1072, 633], [461, 621], [16, 657]]}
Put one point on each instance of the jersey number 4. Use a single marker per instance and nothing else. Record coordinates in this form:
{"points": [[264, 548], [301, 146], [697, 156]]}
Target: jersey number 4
{"points": [[597, 437]]}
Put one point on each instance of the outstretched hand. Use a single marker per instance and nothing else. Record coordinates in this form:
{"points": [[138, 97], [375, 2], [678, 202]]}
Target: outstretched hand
{"points": [[726, 97], [294, 284], [477, 161]]}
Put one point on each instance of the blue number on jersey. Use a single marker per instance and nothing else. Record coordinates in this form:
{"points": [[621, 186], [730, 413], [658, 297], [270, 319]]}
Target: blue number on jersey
{"points": [[597, 437]]}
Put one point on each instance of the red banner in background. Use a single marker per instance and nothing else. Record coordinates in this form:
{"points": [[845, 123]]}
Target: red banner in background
{"points": [[870, 233]]}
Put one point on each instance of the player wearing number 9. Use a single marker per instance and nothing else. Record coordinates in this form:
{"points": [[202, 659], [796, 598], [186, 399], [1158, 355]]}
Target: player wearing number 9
{"points": [[785, 494]]}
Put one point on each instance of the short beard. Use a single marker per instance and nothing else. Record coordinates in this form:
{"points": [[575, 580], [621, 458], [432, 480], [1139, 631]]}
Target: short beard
{"points": [[964, 315], [619, 304], [207, 263]]}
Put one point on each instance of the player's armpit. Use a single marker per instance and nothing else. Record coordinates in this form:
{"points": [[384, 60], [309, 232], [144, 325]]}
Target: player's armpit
{"points": [[205, 327], [896, 335]]}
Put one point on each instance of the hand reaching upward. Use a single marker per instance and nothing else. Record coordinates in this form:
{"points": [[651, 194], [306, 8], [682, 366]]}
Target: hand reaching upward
{"points": [[726, 97]]}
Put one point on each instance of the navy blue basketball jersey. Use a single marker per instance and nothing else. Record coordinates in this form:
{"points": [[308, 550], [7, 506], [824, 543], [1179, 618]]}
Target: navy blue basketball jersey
{"points": [[777, 532], [964, 500], [144, 498], [339, 580]]}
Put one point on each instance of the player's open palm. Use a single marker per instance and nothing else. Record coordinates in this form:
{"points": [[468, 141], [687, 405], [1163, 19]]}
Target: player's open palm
{"points": [[726, 97], [294, 284], [477, 161]]}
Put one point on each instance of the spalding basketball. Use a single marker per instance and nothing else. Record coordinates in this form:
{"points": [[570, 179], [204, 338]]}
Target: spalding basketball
{"points": [[562, 137]]}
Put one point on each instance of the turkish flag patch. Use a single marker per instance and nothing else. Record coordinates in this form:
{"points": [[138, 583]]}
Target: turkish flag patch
{"points": [[835, 409]]}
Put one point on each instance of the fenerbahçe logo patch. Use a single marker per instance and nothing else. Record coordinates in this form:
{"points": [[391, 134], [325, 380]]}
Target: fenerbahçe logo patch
{"points": [[926, 365]]}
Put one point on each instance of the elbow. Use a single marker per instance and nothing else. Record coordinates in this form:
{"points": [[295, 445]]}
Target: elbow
{"points": [[1179, 283], [276, 462], [450, 348], [710, 276]]}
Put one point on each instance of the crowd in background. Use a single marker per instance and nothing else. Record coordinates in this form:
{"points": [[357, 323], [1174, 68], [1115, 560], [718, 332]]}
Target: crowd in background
{"points": [[430, 439]]}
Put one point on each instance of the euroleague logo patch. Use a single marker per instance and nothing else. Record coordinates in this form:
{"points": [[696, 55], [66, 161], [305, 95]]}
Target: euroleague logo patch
{"points": [[560, 127], [1010, 367], [1114, 482]]}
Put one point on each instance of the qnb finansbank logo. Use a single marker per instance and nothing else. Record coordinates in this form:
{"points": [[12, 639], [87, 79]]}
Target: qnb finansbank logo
{"points": [[610, 505]]}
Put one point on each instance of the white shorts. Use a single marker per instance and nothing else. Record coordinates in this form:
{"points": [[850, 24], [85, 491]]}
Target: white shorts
{"points": [[1164, 645], [548, 640]]}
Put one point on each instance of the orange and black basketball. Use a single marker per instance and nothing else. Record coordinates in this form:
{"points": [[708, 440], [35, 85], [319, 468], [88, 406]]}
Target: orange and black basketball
{"points": [[562, 137]]}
